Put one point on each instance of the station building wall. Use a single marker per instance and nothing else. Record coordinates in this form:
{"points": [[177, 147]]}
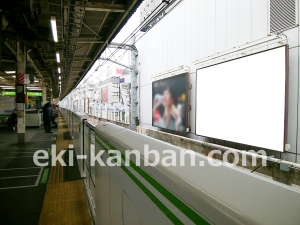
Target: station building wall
{"points": [[196, 29]]}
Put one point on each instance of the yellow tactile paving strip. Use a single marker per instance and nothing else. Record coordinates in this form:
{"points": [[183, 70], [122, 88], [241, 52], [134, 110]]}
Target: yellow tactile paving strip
{"points": [[57, 172], [64, 202]]}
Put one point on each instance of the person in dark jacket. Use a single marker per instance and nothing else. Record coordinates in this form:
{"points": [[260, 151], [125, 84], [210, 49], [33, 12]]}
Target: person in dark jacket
{"points": [[47, 117], [52, 113], [14, 119]]}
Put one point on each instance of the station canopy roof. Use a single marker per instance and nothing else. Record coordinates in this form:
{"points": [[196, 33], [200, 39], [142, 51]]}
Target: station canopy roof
{"points": [[84, 28]]}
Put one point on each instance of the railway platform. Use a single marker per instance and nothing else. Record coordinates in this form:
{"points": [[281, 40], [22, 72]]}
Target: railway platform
{"points": [[31, 194]]}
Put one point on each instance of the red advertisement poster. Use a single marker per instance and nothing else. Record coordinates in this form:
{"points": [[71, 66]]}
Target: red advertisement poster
{"points": [[104, 95]]}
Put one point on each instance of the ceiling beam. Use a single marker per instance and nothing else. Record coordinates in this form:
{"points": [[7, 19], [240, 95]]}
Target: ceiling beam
{"points": [[50, 60], [77, 68], [8, 60], [90, 40], [112, 32], [8, 75], [78, 59], [10, 48], [102, 7]]}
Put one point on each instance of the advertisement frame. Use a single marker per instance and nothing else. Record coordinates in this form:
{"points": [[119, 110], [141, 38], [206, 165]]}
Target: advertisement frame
{"points": [[187, 125], [286, 103]]}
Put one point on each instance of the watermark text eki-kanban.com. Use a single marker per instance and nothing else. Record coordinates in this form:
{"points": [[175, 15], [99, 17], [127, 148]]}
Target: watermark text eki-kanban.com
{"points": [[148, 157]]}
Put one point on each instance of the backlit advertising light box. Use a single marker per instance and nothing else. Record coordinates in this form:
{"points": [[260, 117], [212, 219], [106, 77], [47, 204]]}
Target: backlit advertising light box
{"points": [[245, 100], [169, 103]]}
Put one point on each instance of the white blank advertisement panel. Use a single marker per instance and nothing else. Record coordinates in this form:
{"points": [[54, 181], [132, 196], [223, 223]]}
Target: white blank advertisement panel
{"points": [[244, 100]]}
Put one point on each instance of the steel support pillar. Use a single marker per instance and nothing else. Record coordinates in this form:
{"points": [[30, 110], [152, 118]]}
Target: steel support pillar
{"points": [[21, 68], [51, 97], [44, 89], [1, 39], [133, 91]]}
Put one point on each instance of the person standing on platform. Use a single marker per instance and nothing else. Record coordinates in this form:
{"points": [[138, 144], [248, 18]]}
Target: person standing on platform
{"points": [[56, 111], [14, 119], [47, 117]]}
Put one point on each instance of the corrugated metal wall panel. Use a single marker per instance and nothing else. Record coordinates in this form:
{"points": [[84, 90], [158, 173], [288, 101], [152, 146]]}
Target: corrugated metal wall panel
{"points": [[202, 26], [211, 27], [221, 25], [245, 25], [232, 20], [259, 19], [194, 11]]}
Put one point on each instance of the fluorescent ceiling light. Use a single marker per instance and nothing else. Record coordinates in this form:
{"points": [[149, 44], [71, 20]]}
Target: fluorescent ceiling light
{"points": [[59, 77], [36, 81], [54, 28], [33, 87], [8, 88], [57, 57], [13, 76], [58, 69], [10, 72]]}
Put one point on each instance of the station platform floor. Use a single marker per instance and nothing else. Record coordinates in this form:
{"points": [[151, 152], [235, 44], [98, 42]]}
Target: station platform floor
{"points": [[30, 194]]}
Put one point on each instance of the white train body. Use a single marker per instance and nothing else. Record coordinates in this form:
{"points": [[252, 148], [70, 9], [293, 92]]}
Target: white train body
{"points": [[174, 194]]}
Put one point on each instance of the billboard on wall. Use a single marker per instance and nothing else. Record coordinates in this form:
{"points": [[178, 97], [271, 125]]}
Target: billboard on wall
{"points": [[169, 103], [245, 100], [104, 95]]}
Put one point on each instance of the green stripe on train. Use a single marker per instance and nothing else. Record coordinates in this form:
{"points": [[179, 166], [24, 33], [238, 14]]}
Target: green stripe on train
{"points": [[192, 215], [45, 175], [154, 199]]}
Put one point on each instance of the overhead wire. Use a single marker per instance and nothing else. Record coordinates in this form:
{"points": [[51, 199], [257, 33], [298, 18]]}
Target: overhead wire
{"points": [[120, 58], [149, 18]]}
